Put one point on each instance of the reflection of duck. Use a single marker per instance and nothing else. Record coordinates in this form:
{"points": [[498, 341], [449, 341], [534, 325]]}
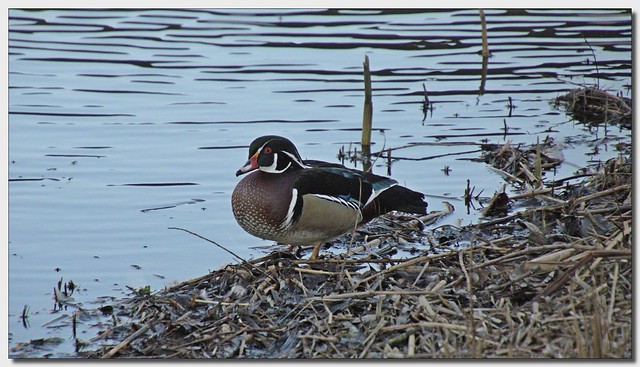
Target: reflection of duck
{"points": [[296, 202]]}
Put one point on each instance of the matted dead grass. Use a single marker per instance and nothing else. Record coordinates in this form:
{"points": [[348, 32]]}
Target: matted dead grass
{"points": [[553, 279]]}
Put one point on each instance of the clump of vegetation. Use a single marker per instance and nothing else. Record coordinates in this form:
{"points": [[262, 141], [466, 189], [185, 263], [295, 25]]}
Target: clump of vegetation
{"points": [[593, 106]]}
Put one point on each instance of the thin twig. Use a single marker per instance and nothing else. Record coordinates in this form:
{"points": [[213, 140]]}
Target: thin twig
{"points": [[365, 294], [425, 324], [595, 61], [211, 241], [372, 337], [469, 293], [227, 250]]}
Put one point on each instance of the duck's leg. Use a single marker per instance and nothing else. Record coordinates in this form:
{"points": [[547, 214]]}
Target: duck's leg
{"points": [[316, 251], [291, 248]]}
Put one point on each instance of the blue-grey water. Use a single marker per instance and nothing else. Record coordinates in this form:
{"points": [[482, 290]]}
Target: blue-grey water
{"points": [[123, 123]]}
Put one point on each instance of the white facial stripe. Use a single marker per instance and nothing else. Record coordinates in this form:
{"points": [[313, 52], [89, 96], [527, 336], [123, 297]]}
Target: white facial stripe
{"points": [[295, 159], [273, 168], [292, 205]]}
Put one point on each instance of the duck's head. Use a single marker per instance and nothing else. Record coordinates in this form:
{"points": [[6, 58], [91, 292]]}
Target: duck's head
{"points": [[272, 154]]}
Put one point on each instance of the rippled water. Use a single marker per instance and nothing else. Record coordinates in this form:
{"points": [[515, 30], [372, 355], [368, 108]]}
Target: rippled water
{"points": [[123, 123]]}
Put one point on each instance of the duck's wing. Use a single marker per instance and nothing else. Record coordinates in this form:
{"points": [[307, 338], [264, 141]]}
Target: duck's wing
{"points": [[371, 194], [336, 183], [350, 178]]}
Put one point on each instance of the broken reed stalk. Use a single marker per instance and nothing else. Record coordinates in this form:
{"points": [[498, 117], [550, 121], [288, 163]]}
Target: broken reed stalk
{"points": [[367, 117], [483, 76], [537, 173], [426, 96], [132, 337], [485, 53], [485, 43]]}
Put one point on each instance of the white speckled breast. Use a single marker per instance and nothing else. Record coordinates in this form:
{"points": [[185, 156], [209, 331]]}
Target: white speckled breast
{"points": [[260, 202]]}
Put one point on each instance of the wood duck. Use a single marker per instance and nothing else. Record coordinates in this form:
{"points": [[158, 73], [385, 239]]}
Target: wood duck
{"points": [[305, 202]]}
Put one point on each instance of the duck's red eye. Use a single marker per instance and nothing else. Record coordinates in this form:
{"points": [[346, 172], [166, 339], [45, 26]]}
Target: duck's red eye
{"points": [[267, 150]]}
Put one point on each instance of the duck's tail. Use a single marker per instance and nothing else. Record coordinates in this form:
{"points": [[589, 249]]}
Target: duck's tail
{"points": [[397, 198]]}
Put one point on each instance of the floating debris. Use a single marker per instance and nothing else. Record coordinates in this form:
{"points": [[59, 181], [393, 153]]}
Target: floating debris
{"points": [[523, 165], [593, 106], [35, 345]]}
